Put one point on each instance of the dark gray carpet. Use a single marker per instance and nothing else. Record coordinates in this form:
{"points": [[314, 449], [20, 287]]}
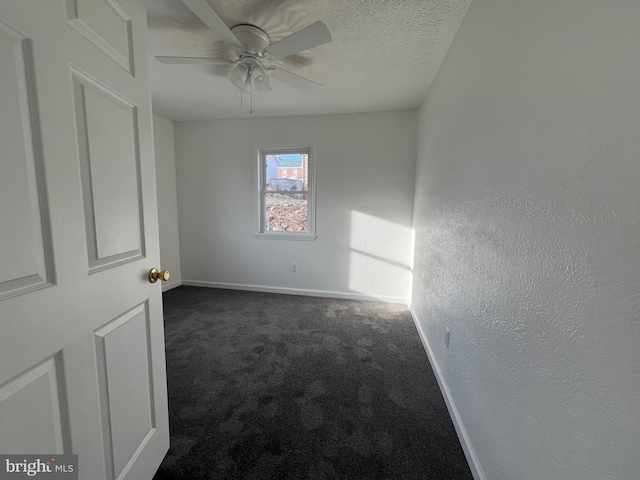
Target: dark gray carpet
{"points": [[265, 386]]}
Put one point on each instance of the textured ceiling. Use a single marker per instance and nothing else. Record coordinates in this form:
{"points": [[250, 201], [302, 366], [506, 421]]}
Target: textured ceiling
{"points": [[383, 56]]}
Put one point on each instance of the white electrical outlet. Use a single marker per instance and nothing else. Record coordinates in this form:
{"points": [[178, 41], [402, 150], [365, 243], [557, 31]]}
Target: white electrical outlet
{"points": [[447, 337], [294, 267]]}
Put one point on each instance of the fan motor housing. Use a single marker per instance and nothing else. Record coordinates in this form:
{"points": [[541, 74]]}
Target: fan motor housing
{"points": [[254, 39]]}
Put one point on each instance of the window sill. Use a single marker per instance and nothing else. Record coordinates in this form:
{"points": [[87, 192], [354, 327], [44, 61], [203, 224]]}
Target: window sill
{"points": [[305, 237]]}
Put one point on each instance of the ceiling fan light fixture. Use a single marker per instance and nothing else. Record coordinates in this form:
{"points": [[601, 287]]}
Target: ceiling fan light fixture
{"points": [[238, 76], [260, 78]]}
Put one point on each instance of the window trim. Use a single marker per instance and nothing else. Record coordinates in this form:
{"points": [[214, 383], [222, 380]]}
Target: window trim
{"points": [[259, 191]]}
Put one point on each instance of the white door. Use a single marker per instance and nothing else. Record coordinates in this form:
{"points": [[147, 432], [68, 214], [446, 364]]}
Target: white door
{"points": [[82, 367]]}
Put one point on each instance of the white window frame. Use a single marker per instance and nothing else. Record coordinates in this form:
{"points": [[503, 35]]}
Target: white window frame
{"points": [[260, 154]]}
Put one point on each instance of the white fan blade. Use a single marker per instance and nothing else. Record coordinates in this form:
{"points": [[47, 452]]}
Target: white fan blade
{"points": [[207, 14], [193, 60], [312, 36], [296, 81]]}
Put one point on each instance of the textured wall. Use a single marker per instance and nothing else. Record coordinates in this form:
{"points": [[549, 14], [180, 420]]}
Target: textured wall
{"points": [[364, 177], [528, 238], [167, 200]]}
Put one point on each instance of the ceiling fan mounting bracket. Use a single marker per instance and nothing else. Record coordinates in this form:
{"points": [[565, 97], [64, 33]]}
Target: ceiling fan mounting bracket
{"points": [[254, 39]]}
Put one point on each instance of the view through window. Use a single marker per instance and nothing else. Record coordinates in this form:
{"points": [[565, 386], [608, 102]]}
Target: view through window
{"points": [[285, 191]]}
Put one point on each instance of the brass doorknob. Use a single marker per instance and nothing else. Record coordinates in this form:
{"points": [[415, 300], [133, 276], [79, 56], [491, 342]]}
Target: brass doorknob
{"points": [[155, 275]]}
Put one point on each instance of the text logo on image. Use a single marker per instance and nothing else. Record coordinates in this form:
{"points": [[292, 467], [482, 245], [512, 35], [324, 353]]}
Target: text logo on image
{"points": [[49, 467]]}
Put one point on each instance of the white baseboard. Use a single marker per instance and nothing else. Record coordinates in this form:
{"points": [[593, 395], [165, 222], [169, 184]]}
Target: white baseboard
{"points": [[169, 285], [469, 452], [295, 291]]}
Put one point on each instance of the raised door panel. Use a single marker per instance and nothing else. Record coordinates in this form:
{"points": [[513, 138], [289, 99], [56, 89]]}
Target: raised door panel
{"points": [[25, 253], [106, 25], [107, 133], [126, 389], [30, 413]]}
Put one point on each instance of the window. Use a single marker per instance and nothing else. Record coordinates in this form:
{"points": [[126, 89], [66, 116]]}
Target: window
{"points": [[285, 205]]}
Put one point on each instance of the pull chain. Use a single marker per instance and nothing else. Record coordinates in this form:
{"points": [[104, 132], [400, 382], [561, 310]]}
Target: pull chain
{"points": [[251, 91]]}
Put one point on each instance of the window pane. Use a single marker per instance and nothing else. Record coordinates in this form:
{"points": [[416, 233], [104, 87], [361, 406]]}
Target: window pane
{"points": [[286, 171], [286, 212]]}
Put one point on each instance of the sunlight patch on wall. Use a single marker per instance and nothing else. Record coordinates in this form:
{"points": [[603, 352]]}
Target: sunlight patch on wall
{"points": [[380, 256]]}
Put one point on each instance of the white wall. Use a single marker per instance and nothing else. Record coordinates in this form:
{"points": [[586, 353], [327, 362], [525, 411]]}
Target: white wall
{"points": [[167, 200], [364, 177], [528, 238]]}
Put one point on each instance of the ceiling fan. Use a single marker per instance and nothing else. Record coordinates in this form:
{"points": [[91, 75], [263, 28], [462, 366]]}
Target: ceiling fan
{"points": [[255, 53]]}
